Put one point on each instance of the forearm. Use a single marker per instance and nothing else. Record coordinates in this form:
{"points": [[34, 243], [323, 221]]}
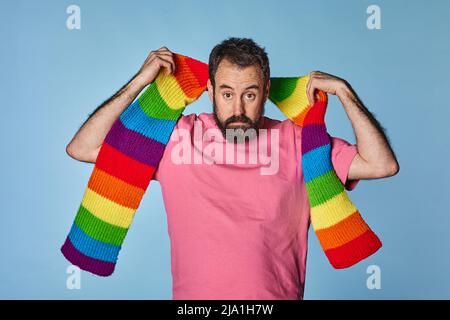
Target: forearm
{"points": [[87, 141], [373, 144]]}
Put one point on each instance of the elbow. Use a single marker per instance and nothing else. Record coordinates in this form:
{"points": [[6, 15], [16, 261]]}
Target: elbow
{"points": [[393, 168], [389, 169], [78, 153], [73, 152]]}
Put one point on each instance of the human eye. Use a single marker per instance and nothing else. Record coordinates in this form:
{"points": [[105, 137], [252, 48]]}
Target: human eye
{"points": [[227, 95], [250, 96]]}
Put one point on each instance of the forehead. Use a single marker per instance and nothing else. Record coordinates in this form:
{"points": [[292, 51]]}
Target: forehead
{"points": [[236, 76]]}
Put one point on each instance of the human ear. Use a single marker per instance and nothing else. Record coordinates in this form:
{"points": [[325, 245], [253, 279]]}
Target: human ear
{"points": [[267, 90], [210, 90]]}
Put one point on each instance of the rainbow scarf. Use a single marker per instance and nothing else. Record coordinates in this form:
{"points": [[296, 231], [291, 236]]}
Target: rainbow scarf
{"points": [[342, 232], [136, 142]]}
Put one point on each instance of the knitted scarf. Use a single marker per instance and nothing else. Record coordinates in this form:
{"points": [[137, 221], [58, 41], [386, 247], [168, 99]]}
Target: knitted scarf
{"points": [[136, 142]]}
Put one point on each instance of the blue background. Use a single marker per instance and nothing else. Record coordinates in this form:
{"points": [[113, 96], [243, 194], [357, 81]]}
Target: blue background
{"points": [[52, 78]]}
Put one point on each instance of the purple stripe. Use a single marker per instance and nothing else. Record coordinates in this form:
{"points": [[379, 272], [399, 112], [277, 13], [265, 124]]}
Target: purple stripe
{"points": [[134, 144], [313, 136], [98, 267]]}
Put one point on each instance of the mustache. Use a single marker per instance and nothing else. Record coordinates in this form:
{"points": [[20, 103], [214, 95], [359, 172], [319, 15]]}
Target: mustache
{"points": [[241, 118]]}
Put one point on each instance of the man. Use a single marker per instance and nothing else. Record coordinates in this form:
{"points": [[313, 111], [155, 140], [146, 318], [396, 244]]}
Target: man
{"points": [[237, 233]]}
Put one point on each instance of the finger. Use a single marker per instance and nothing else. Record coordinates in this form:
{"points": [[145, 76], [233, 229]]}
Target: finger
{"points": [[169, 58], [310, 91], [153, 53], [318, 73], [150, 55], [164, 49], [166, 64], [166, 57], [311, 97]]}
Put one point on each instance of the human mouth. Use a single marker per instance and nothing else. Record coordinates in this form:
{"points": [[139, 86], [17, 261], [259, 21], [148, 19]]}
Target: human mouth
{"points": [[238, 122]]}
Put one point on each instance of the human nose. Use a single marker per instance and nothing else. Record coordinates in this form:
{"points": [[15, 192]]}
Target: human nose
{"points": [[238, 107]]}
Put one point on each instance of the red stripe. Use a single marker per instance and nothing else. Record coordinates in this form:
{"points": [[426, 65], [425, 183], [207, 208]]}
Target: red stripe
{"points": [[354, 251], [199, 69], [316, 114], [124, 167]]}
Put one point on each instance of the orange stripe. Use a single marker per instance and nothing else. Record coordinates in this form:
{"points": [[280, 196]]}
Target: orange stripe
{"points": [[342, 232], [299, 118], [186, 78], [115, 189], [317, 111]]}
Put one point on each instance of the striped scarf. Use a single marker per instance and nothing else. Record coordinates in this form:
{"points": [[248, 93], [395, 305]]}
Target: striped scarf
{"points": [[136, 142]]}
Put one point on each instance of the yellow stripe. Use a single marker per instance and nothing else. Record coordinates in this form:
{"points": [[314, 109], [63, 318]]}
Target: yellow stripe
{"points": [[332, 211], [171, 92], [298, 101], [107, 210]]}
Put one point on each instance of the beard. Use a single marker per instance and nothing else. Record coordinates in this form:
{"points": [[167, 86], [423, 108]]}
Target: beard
{"points": [[239, 133]]}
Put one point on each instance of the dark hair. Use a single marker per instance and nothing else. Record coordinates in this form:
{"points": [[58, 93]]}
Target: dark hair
{"points": [[241, 51]]}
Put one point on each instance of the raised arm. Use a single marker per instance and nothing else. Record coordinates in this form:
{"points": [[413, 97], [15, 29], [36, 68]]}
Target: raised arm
{"points": [[86, 143], [375, 158]]}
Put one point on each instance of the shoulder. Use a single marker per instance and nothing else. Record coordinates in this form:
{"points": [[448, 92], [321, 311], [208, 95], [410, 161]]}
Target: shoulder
{"points": [[186, 121], [288, 130], [338, 143], [286, 124], [205, 119]]}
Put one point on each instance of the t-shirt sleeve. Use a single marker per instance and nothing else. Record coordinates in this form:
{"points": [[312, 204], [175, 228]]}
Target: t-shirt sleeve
{"points": [[342, 155]]}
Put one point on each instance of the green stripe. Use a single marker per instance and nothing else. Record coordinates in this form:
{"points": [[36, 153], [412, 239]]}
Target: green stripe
{"points": [[281, 88], [154, 105], [99, 229], [323, 188]]}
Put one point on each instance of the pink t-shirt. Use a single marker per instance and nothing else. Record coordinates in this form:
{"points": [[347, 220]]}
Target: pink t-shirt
{"points": [[236, 233]]}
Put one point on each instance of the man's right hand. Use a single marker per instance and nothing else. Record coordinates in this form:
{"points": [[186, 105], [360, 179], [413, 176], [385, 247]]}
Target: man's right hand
{"points": [[86, 143], [161, 58]]}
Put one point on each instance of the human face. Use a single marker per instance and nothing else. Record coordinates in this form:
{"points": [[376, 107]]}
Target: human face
{"points": [[238, 99]]}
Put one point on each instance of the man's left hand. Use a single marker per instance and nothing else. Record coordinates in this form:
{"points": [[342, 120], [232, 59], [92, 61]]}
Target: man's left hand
{"points": [[325, 82]]}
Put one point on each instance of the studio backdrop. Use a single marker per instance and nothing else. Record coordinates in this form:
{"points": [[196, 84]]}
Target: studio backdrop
{"points": [[62, 59]]}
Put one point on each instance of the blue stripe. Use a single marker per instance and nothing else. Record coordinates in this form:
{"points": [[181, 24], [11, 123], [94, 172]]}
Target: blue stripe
{"points": [[316, 162], [135, 119], [91, 247]]}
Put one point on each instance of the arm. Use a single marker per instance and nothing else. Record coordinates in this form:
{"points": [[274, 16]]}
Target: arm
{"points": [[375, 157], [86, 143]]}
